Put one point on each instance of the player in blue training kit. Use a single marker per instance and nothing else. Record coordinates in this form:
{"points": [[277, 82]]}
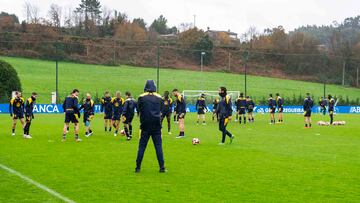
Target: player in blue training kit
{"points": [[241, 107], [149, 108], [201, 108], [250, 105], [72, 114], [29, 115], [117, 108], [89, 108], [331, 108], [308, 104], [166, 110], [225, 112], [272, 108], [16, 109], [215, 105], [322, 105], [280, 107], [128, 114], [106, 107], [181, 111]]}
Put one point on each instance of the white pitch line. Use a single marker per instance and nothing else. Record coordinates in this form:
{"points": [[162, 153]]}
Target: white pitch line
{"points": [[43, 187]]}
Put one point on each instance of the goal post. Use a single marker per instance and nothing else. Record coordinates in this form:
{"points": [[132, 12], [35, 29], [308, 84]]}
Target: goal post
{"points": [[191, 97]]}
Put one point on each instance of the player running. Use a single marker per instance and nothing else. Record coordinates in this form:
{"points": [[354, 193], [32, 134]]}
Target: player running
{"points": [[16, 109], [181, 111], [128, 114], [250, 105], [106, 107], [215, 105], [322, 104], [89, 109], [166, 110], [117, 108], [29, 115], [272, 108], [201, 108], [308, 104], [331, 108], [72, 114], [225, 111], [280, 107], [241, 107]]}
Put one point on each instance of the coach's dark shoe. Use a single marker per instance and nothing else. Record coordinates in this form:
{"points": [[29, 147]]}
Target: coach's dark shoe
{"points": [[137, 170], [162, 170]]}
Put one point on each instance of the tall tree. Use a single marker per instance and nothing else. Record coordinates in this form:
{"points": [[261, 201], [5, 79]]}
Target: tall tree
{"points": [[55, 15], [160, 25], [140, 22], [91, 11]]}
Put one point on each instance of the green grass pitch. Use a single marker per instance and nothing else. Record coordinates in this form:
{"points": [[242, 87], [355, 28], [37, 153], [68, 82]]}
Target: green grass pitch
{"points": [[39, 76], [266, 163]]}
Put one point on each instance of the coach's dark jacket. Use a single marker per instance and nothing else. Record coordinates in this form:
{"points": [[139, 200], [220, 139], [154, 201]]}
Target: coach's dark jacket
{"points": [[149, 107]]}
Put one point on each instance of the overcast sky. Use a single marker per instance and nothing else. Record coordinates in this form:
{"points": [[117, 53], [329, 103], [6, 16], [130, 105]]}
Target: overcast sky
{"points": [[237, 16]]}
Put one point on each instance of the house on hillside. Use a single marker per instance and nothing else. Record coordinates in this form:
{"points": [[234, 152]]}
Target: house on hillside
{"points": [[223, 38]]}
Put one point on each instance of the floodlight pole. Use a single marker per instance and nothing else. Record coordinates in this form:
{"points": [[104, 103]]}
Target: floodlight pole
{"points": [[245, 71], [158, 69], [57, 73], [343, 77], [201, 69], [357, 77]]}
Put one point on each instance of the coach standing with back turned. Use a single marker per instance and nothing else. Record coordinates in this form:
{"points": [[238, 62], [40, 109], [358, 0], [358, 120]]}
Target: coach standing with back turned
{"points": [[149, 107]]}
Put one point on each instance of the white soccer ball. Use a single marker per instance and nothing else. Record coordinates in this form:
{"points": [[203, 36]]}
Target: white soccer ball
{"points": [[195, 141], [122, 132]]}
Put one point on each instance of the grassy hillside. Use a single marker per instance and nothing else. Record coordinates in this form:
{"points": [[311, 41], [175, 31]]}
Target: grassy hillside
{"points": [[39, 75]]}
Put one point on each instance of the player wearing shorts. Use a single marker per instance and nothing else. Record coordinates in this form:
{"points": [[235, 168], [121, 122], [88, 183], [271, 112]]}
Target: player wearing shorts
{"points": [[241, 107], [272, 108], [72, 114], [29, 115], [128, 114], [215, 105], [89, 109], [16, 109], [166, 109], [106, 107], [201, 108], [250, 105], [181, 111], [322, 104], [117, 108], [331, 108], [280, 107], [308, 104]]}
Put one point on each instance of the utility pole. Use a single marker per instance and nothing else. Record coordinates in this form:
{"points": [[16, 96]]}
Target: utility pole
{"points": [[229, 61], [57, 73], [343, 78], [194, 21], [158, 69], [201, 69], [357, 77]]}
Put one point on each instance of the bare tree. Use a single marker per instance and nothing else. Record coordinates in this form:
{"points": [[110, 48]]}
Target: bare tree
{"points": [[32, 12], [55, 15], [185, 26], [68, 17]]}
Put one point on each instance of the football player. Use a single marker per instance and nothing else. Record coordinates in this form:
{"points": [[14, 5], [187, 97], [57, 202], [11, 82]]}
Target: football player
{"points": [[16, 108]]}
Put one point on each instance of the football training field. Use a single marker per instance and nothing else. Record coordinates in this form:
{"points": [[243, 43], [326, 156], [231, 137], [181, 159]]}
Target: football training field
{"points": [[266, 163]]}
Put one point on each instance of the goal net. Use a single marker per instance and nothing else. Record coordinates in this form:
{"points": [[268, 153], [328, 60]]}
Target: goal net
{"points": [[191, 97]]}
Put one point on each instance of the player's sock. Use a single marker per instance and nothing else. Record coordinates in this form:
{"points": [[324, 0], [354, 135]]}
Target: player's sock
{"points": [[310, 125], [76, 136], [68, 128], [331, 119], [306, 125], [126, 132], [244, 120], [13, 130], [86, 133], [182, 134], [64, 136], [105, 129], [110, 129], [130, 130]]}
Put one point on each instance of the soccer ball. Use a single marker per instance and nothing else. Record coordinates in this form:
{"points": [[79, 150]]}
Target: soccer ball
{"points": [[195, 141], [122, 132]]}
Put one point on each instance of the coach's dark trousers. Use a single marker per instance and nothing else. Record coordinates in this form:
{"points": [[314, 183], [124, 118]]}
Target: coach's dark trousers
{"points": [[222, 127], [157, 140]]}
